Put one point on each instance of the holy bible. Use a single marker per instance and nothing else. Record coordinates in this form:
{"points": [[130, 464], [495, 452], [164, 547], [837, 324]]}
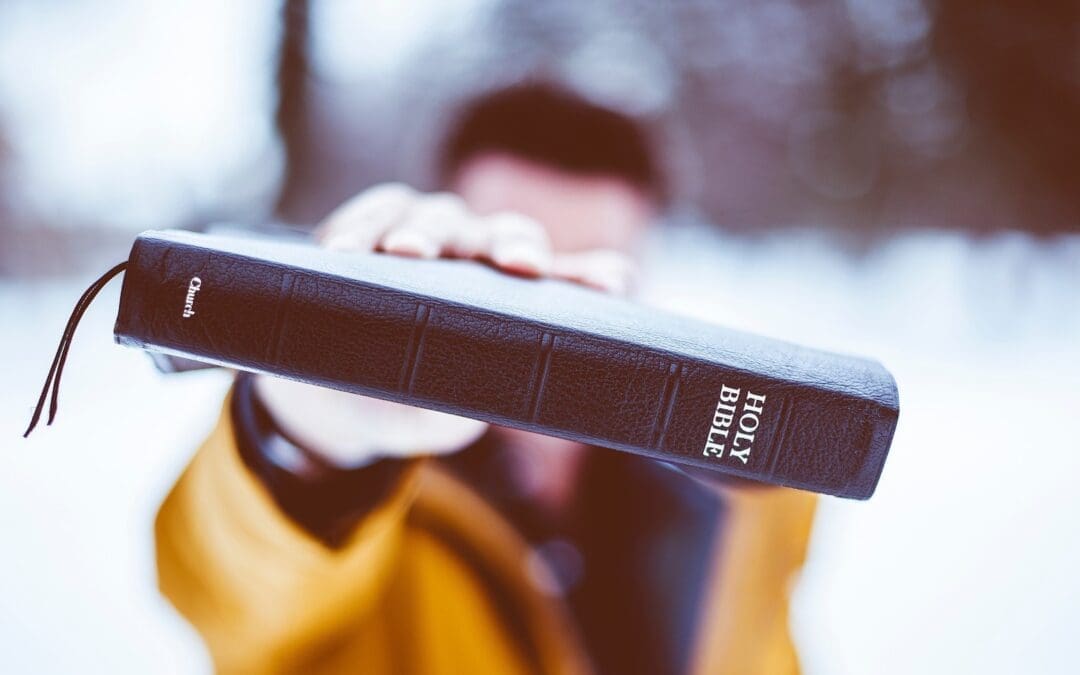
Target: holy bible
{"points": [[541, 355]]}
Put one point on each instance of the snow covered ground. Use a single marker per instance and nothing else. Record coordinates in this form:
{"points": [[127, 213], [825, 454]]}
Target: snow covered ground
{"points": [[965, 560]]}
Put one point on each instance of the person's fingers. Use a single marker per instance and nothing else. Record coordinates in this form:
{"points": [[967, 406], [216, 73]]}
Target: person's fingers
{"points": [[518, 244], [415, 431], [429, 227], [360, 223], [470, 239], [396, 219], [467, 236], [603, 269], [351, 431]]}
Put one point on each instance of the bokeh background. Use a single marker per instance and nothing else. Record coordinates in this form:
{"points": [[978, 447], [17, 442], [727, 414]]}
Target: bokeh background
{"points": [[894, 178]]}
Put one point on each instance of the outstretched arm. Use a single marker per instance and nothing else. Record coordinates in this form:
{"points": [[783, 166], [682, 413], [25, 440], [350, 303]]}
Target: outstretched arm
{"points": [[285, 527]]}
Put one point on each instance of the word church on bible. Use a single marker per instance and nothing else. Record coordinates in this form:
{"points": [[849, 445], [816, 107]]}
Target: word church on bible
{"points": [[724, 422]]}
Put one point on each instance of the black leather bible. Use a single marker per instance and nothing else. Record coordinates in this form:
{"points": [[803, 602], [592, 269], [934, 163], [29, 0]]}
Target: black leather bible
{"points": [[540, 355]]}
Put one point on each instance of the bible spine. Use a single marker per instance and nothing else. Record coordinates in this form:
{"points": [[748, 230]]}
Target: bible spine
{"points": [[828, 432]]}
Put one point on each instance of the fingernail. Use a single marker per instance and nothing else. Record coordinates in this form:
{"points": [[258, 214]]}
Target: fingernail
{"points": [[409, 242], [522, 258]]}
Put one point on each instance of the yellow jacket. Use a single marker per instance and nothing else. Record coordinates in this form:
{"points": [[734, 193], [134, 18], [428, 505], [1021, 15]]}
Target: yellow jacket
{"points": [[413, 589]]}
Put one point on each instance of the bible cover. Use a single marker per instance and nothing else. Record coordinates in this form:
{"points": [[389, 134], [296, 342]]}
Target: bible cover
{"points": [[540, 355]]}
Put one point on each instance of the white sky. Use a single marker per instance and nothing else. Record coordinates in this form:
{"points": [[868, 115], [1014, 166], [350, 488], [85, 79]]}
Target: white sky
{"points": [[138, 114]]}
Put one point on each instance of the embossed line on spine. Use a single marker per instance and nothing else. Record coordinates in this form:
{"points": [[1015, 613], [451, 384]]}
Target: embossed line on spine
{"points": [[277, 331], [666, 409], [414, 350], [540, 374], [781, 436]]}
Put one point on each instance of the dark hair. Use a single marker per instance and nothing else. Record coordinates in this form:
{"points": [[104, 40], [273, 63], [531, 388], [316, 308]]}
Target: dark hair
{"points": [[554, 127]]}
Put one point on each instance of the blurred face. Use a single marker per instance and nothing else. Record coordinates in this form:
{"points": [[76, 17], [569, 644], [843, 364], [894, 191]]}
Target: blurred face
{"points": [[579, 212]]}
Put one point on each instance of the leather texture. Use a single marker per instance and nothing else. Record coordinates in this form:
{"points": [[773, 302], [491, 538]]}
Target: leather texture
{"points": [[544, 356]]}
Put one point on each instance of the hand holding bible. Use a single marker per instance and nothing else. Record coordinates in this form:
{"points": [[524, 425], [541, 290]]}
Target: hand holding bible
{"points": [[350, 430], [533, 355]]}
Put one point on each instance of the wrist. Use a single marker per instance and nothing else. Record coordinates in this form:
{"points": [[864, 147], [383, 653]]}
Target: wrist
{"points": [[350, 431], [322, 420], [324, 500]]}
